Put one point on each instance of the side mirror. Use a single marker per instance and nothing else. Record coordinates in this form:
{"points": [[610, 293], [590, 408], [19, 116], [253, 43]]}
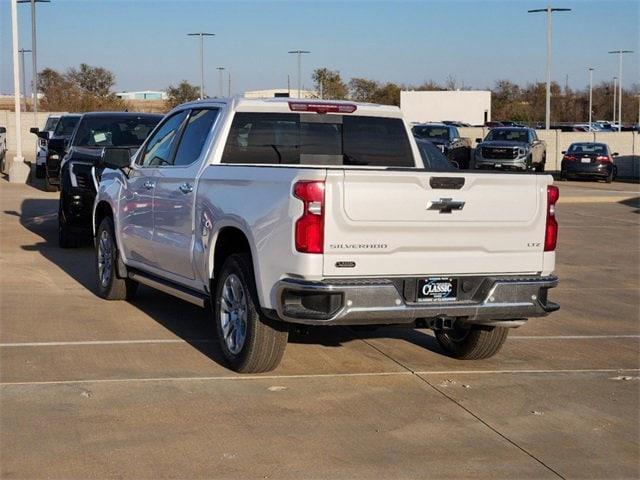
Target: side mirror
{"points": [[34, 130], [563, 152], [116, 158], [3, 130], [615, 154], [478, 140]]}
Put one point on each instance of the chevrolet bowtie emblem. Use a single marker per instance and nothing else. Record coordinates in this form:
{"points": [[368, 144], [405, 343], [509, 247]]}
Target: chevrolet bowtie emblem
{"points": [[445, 205]]}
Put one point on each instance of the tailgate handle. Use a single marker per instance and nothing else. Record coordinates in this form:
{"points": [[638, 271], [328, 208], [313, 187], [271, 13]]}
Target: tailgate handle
{"points": [[451, 183]]}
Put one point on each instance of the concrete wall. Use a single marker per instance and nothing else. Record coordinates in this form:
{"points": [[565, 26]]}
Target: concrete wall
{"points": [[626, 144], [462, 106]]}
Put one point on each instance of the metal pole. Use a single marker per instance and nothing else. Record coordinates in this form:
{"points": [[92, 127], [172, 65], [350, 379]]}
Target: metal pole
{"points": [[24, 82], [615, 91], [18, 171], [590, 95], [549, 10], [221, 69], [299, 53], [201, 35], [34, 64], [620, 53], [229, 88]]}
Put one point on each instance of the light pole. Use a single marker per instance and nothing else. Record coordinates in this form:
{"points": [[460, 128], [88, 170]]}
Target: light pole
{"points": [[620, 53], [221, 69], [18, 171], [201, 35], [229, 86], [614, 100], [299, 53], [549, 11], [34, 56], [590, 95], [22, 51]]}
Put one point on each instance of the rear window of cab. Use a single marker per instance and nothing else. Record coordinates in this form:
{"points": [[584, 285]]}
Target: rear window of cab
{"points": [[317, 139]]}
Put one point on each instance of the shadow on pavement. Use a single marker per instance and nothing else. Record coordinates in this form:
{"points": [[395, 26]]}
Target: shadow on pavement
{"points": [[633, 203], [189, 322]]}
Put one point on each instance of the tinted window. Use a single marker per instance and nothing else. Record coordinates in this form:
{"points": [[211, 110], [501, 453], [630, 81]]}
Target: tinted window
{"points": [[51, 124], [587, 148], [66, 126], [194, 136], [433, 158], [423, 131], [159, 148], [114, 130], [508, 135], [311, 139]]}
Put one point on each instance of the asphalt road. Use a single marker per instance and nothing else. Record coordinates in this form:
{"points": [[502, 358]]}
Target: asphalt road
{"points": [[96, 389]]}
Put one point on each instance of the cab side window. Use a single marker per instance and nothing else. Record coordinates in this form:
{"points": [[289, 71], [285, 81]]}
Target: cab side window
{"points": [[159, 149], [195, 135]]}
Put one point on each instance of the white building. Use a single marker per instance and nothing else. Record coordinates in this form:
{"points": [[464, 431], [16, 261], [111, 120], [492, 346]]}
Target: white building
{"points": [[472, 107], [281, 92], [143, 95]]}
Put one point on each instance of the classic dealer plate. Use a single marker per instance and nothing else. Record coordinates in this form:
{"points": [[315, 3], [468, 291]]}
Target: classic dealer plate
{"points": [[437, 289]]}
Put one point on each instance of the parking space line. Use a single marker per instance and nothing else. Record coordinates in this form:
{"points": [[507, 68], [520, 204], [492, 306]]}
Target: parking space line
{"points": [[569, 337], [105, 342], [309, 376]]}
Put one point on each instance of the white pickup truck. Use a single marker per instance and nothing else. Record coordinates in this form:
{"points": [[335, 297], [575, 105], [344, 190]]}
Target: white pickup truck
{"points": [[278, 212]]}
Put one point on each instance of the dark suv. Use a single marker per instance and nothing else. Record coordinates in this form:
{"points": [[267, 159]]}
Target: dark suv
{"points": [[81, 166]]}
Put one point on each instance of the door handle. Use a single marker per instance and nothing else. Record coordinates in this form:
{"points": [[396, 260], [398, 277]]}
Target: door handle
{"points": [[149, 184], [186, 188]]}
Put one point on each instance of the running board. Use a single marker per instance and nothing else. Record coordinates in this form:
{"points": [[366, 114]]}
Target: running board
{"points": [[178, 291]]}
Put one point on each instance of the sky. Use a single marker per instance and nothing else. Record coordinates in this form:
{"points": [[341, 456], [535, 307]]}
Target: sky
{"points": [[145, 43]]}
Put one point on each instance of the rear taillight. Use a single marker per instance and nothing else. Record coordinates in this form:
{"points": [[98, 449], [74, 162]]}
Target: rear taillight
{"points": [[551, 232], [569, 158], [309, 232], [603, 158]]}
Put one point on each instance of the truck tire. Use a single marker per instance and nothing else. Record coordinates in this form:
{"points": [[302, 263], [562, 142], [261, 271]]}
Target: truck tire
{"points": [[66, 238], [110, 285], [40, 171], [474, 343], [250, 342]]}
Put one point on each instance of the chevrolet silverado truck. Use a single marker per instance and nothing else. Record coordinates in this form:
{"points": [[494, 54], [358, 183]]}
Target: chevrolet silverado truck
{"points": [[511, 148], [279, 212]]}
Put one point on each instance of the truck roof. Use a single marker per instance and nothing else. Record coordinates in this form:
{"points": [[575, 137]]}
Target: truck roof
{"points": [[281, 105]]}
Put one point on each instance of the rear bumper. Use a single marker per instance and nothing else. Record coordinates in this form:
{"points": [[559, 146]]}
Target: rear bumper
{"points": [[386, 301]]}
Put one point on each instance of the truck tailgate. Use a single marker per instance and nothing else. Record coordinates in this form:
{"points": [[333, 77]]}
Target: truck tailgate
{"points": [[391, 223]]}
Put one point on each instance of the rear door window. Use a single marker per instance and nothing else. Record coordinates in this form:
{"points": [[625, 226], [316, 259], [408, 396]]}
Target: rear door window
{"points": [[312, 139]]}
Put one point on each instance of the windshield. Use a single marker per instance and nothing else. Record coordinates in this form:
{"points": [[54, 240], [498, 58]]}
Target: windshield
{"points": [[588, 148], [433, 158], [65, 126], [114, 130], [422, 131], [312, 139], [51, 124], [507, 135]]}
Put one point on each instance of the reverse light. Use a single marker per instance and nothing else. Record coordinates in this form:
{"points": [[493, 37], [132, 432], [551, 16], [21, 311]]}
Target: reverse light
{"points": [[322, 107], [309, 229], [551, 230]]}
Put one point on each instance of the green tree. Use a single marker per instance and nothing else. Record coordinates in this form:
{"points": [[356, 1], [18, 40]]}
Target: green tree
{"points": [[388, 94], [329, 84], [93, 80], [362, 89], [182, 93]]}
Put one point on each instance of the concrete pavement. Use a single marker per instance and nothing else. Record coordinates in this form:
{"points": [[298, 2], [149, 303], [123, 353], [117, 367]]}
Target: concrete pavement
{"points": [[96, 389]]}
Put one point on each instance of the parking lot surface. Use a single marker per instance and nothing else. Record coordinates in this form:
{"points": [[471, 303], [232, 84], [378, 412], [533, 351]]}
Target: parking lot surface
{"points": [[97, 389]]}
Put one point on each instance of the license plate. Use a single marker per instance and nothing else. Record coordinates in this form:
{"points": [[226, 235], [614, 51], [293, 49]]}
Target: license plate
{"points": [[498, 165], [437, 289], [586, 160]]}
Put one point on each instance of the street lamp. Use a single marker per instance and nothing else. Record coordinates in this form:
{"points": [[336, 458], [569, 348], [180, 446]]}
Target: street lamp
{"points": [[299, 53], [548, 10], [221, 69], [22, 51], [590, 94], [614, 100], [34, 56], [620, 53], [201, 35]]}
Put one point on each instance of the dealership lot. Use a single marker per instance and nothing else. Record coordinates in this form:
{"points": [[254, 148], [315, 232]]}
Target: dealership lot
{"points": [[108, 389]]}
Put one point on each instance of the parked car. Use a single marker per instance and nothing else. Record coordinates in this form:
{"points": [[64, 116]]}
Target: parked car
{"points": [[56, 143], [41, 145], [509, 123], [281, 212], [587, 159], [455, 123], [3, 148], [493, 124], [81, 165], [510, 148], [433, 158], [448, 139]]}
